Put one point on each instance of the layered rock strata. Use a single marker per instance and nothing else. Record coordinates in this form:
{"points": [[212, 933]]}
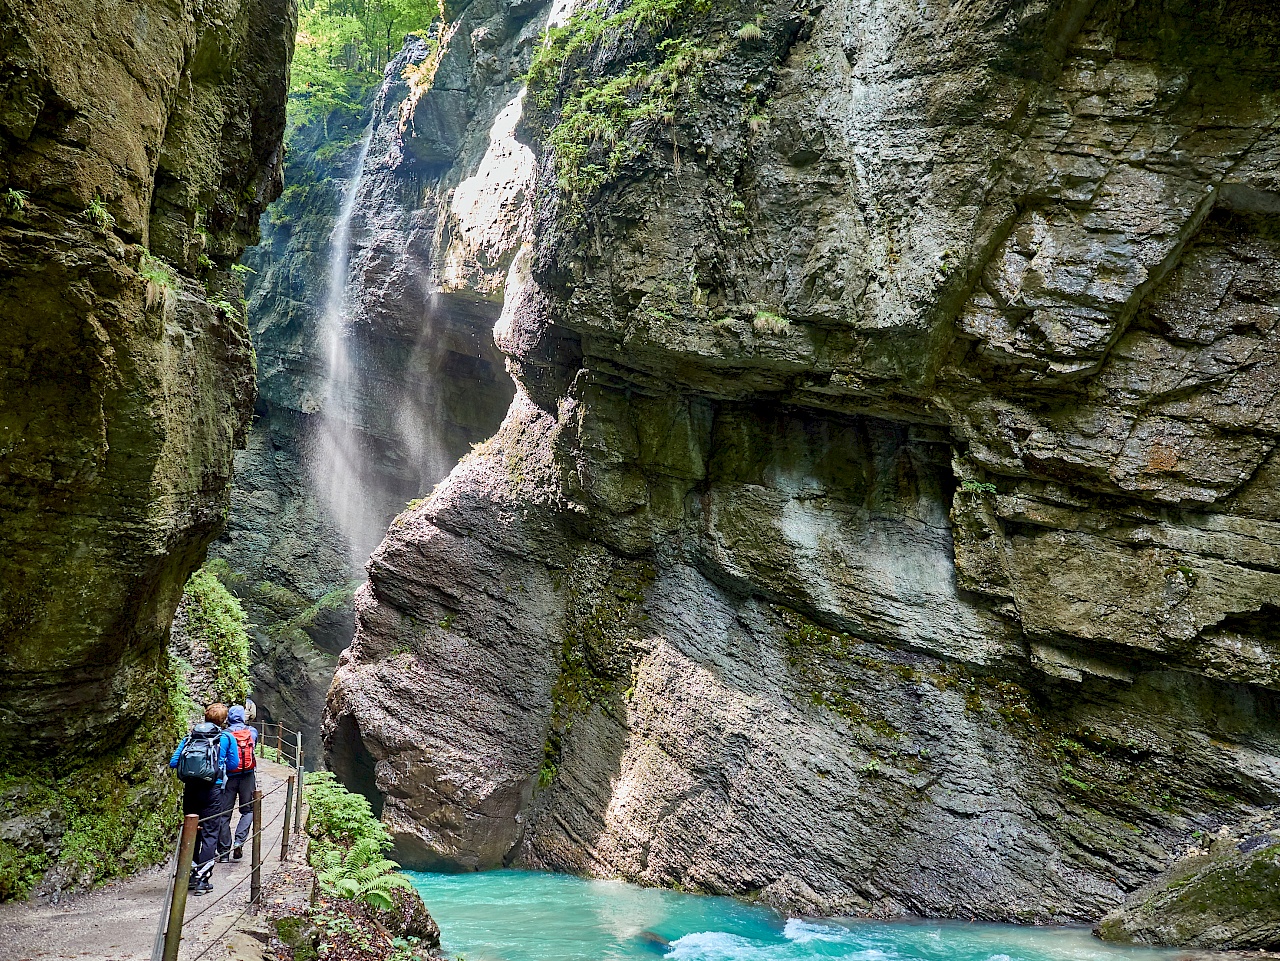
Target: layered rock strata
{"points": [[139, 143], [332, 458], [887, 520]]}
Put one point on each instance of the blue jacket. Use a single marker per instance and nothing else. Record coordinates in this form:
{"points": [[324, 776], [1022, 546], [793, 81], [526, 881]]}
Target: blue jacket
{"points": [[228, 755]]}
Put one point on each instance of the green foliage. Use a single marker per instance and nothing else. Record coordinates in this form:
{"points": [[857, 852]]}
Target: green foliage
{"points": [[98, 214], [216, 617], [342, 48], [339, 818], [595, 126], [361, 873], [547, 773], [156, 271], [221, 568], [182, 704], [116, 819], [766, 322], [16, 201], [294, 616], [276, 597], [750, 32], [228, 309], [242, 270], [20, 870], [977, 488]]}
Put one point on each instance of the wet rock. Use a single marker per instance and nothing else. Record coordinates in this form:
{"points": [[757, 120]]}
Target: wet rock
{"points": [[1228, 898], [410, 919]]}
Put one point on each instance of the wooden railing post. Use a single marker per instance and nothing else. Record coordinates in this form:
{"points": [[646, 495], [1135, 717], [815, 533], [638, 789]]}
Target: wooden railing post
{"points": [[255, 852], [178, 902], [279, 743], [297, 814], [284, 835]]}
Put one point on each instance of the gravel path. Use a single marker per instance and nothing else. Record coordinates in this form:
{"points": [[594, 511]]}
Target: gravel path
{"points": [[118, 922]]}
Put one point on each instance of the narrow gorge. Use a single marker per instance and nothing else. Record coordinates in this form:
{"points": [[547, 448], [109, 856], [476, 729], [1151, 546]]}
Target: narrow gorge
{"points": [[817, 452]]}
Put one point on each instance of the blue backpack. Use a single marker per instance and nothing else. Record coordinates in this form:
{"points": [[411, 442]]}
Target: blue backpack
{"points": [[199, 762]]}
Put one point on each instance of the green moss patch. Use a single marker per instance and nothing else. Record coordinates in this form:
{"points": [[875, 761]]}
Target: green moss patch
{"points": [[595, 124], [595, 662], [216, 620], [110, 816]]}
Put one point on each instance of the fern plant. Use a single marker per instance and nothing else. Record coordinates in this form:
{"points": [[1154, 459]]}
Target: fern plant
{"points": [[16, 200], [98, 214], [361, 873]]}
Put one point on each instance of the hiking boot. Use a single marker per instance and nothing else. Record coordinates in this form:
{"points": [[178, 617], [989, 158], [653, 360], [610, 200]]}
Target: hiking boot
{"points": [[238, 852], [202, 887], [224, 858]]}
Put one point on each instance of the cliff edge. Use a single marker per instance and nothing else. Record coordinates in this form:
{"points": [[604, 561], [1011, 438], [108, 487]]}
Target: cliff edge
{"points": [[887, 518]]}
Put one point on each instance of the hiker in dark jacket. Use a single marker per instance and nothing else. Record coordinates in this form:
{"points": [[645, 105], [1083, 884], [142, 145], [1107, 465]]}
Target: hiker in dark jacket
{"points": [[241, 783], [204, 796]]}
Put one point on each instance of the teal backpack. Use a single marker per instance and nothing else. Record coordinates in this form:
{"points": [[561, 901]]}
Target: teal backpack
{"points": [[198, 763]]}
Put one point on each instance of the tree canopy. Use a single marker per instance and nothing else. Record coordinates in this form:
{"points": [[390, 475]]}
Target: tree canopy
{"points": [[342, 48]]}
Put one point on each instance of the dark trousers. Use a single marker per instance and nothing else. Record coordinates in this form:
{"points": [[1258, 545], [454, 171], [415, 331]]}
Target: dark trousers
{"points": [[239, 787], [206, 801]]}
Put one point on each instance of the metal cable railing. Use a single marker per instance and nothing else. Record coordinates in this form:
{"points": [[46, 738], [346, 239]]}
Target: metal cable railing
{"points": [[248, 877], [212, 942]]}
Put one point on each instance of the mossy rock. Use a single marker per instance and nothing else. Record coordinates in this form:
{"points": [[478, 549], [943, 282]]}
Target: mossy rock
{"points": [[1229, 900]]}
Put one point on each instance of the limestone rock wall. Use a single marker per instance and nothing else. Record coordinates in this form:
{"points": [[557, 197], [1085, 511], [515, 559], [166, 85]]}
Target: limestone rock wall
{"points": [[139, 142], [887, 518], [123, 398]]}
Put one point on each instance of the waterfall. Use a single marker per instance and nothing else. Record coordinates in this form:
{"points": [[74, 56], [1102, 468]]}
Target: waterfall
{"points": [[336, 461]]}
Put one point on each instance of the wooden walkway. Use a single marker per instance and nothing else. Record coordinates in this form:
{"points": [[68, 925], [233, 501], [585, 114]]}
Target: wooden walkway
{"points": [[118, 922]]}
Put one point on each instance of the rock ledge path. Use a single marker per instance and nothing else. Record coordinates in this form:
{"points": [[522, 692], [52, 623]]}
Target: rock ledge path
{"points": [[118, 921]]}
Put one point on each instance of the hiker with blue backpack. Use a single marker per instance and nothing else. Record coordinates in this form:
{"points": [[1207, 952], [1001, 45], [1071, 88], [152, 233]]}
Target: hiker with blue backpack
{"points": [[202, 761], [241, 783]]}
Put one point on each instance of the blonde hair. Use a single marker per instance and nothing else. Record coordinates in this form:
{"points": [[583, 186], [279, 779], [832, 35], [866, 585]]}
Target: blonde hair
{"points": [[216, 713]]}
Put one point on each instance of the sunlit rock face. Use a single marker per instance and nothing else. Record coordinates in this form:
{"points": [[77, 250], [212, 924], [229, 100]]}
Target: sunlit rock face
{"points": [[888, 518], [334, 455]]}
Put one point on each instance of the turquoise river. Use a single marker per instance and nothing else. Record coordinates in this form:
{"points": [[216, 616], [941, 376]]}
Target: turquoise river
{"points": [[527, 916]]}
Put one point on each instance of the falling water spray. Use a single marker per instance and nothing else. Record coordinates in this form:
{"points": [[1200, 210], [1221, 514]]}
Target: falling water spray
{"points": [[335, 463]]}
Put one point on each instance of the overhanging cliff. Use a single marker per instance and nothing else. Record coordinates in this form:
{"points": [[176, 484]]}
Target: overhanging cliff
{"points": [[887, 518]]}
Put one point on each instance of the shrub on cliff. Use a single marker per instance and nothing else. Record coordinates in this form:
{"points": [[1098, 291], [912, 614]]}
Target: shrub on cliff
{"points": [[361, 873], [366, 904]]}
